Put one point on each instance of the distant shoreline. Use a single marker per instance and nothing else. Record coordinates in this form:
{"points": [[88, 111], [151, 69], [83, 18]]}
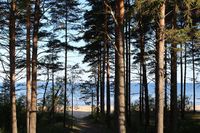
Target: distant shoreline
{"points": [[85, 110]]}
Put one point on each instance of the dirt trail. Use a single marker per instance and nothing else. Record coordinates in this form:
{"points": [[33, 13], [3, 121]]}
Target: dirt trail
{"points": [[86, 126]]}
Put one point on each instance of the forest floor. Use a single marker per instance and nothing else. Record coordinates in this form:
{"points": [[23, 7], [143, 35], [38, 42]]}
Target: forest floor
{"points": [[92, 124], [85, 125], [88, 125]]}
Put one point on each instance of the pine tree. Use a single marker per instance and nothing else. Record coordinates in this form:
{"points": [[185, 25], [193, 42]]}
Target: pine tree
{"points": [[160, 70], [119, 67], [33, 114], [12, 45], [28, 78]]}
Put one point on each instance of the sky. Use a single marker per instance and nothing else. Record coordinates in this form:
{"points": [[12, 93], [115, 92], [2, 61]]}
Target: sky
{"points": [[74, 57]]}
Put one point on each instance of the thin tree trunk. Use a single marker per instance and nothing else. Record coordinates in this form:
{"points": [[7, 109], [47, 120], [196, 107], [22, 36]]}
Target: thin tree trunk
{"points": [[156, 77], [53, 87], [72, 106], [119, 66], [103, 80], [53, 92], [193, 69], [126, 66], [98, 82], [173, 119], [181, 69], [102, 65], [108, 86], [65, 80], [144, 77], [129, 67], [184, 82], [28, 72], [116, 107], [33, 114], [45, 91], [141, 96], [160, 71], [166, 84], [166, 122], [12, 35], [107, 62], [92, 101], [147, 113]]}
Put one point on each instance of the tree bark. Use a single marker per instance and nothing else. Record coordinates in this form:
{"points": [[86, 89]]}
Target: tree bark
{"points": [[106, 44], [102, 64], [129, 67], [119, 66], [12, 35], [127, 71], [141, 99], [65, 80], [194, 78], [184, 82], [166, 84], [33, 114], [103, 81], [28, 72], [173, 119], [160, 70]]}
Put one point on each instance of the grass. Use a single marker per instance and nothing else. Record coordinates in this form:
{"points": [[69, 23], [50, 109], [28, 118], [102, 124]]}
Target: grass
{"points": [[46, 125], [190, 124]]}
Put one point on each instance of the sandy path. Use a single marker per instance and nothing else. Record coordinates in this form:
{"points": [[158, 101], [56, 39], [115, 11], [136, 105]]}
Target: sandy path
{"points": [[86, 126]]}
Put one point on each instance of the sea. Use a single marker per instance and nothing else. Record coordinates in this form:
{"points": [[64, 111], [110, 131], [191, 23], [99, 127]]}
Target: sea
{"points": [[135, 88]]}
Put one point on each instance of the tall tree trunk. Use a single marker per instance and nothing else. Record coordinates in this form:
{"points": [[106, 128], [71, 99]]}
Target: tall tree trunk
{"points": [[103, 80], [28, 72], [65, 80], [119, 66], [53, 93], [141, 96], [107, 63], [92, 101], [193, 69], [127, 59], [33, 113], [12, 35], [144, 77], [160, 70], [166, 84], [181, 69], [53, 87], [98, 82], [173, 117], [108, 86], [45, 91], [166, 89], [147, 113], [184, 82], [126, 63], [72, 106], [129, 67], [188, 24]]}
